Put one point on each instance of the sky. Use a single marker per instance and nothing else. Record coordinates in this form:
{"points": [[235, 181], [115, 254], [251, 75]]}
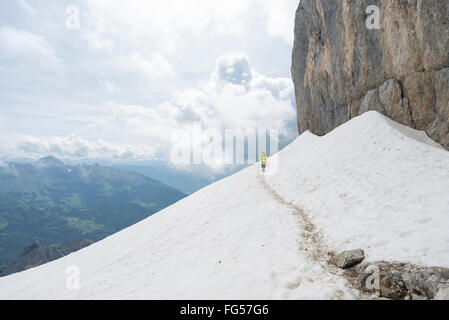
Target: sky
{"points": [[115, 80]]}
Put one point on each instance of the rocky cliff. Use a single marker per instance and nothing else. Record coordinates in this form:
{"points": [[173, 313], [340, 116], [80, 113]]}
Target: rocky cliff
{"points": [[340, 68]]}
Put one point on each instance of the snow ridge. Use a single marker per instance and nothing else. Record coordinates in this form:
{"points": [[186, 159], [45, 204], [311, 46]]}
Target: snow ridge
{"points": [[373, 184]]}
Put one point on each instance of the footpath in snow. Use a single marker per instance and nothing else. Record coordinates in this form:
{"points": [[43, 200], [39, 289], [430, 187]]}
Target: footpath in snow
{"points": [[370, 183], [231, 240]]}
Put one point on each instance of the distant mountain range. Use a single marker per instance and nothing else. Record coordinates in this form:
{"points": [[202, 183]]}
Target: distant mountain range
{"points": [[181, 180], [36, 254], [52, 202]]}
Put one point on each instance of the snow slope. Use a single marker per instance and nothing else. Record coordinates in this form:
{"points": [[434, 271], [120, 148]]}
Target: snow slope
{"points": [[370, 183], [230, 240], [375, 184]]}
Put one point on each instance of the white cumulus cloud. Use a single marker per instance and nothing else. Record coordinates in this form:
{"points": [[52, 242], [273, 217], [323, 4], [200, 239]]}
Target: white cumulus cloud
{"points": [[235, 96], [241, 99]]}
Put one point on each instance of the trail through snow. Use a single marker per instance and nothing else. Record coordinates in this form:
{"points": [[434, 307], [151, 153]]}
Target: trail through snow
{"points": [[312, 242], [371, 184], [232, 240]]}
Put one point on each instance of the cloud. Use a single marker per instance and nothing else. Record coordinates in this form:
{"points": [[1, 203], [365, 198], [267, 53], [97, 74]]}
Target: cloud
{"points": [[74, 147], [241, 99], [138, 70], [171, 26], [96, 41], [154, 66], [234, 97], [165, 24], [109, 86], [29, 8], [246, 99], [18, 43], [148, 49], [281, 17], [234, 68]]}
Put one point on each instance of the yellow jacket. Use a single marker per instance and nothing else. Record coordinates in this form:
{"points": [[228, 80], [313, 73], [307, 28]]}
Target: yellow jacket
{"points": [[263, 158]]}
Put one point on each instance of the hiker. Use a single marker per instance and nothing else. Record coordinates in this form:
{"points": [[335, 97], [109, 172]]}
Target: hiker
{"points": [[263, 160]]}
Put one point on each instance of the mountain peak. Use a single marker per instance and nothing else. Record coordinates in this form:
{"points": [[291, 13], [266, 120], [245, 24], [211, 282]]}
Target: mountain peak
{"points": [[50, 161]]}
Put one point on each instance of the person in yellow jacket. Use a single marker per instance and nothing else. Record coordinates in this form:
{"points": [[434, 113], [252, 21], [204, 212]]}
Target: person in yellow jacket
{"points": [[263, 161]]}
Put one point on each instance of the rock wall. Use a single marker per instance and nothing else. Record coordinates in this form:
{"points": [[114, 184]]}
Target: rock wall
{"points": [[341, 69]]}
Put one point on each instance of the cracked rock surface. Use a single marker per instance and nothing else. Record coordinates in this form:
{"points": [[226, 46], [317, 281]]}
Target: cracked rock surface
{"points": [[341, 69]]}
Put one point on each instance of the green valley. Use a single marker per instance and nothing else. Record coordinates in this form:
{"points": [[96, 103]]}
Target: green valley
{"points": [[53, 203]]}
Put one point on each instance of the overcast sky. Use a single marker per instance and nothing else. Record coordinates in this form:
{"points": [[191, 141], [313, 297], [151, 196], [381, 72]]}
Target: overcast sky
{"points": [[136, 70]]}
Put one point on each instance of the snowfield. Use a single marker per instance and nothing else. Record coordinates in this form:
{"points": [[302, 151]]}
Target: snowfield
{"points": [[370, 184]]}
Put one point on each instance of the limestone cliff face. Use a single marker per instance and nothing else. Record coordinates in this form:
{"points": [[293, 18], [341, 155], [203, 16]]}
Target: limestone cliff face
{"points": [[341, 69]]}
